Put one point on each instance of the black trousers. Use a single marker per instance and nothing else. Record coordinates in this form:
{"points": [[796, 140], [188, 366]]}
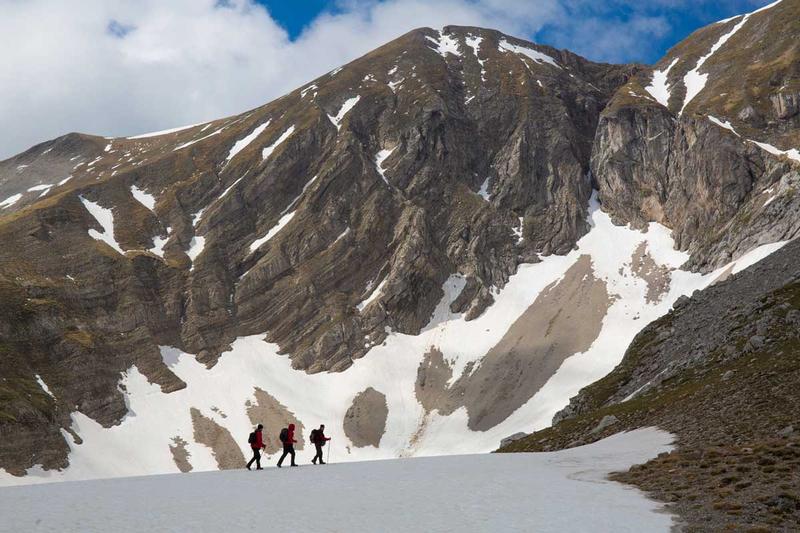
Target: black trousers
{"points": [[288, 449], [319, 454], [256, 458]]}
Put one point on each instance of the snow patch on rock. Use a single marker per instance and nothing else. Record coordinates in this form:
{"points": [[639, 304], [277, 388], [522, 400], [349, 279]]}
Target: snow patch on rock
{"points": [[346, 107], [304, 91], [372, 296], [196, 246], [159, 242], [143, 197], [792, 153], [694, 80], [43, 385], [723, 124], [538, 57], [483, 192], [163, 132], [266, 152], [189, 143], [659, 85], [380, 157], [282, 222], [242, 143], [342, 235], [104, 217], [445, 44], [226, 191]]}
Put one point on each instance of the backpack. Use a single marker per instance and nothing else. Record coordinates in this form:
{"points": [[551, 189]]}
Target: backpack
{"points": [[252, 438], [284, 436], [314, 436]]}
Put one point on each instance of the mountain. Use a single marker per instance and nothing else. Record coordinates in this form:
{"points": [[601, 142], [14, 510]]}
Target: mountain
{"points": [[326, 219], [428, 250]]}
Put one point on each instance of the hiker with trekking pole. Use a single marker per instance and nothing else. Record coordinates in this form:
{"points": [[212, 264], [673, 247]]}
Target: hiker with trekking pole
{"points": [[318, 439]]}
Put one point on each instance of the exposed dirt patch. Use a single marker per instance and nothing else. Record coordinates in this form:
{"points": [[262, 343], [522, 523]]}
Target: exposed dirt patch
{"points": [[180, 454], [275, 416], [219, 439], [563, 320], [656, 276], [431, 386], [365, 420]]}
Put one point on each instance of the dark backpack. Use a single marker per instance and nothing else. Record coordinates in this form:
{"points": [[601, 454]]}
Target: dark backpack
{"points": [[252, 438], [284, 436], [314, 436]]}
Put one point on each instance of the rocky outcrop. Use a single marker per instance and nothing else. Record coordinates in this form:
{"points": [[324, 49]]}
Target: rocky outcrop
{"points": [[274, 416], [180, 454], [657, 277], [704, 181], [785, 105], [365, 420], [223, 447]]}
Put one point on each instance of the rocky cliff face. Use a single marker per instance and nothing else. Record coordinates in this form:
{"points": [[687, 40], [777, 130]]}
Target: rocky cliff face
{"points": [[696, 143], [340, 215]]}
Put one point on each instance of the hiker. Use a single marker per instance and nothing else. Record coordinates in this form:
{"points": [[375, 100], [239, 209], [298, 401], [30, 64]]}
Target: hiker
{"points": [[256, 441], [319, 439], [287, 438]]}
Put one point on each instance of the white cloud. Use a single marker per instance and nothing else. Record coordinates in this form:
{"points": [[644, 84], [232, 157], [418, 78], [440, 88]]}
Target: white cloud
{"points": [[122, 67]]}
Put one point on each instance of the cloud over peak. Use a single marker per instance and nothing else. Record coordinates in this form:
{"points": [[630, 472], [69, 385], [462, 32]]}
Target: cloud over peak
{"points": [[121, 67]]}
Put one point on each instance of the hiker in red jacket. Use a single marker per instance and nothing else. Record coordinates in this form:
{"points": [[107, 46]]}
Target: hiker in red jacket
{"points": [[319, 439], [287, 437], [256, 441]]}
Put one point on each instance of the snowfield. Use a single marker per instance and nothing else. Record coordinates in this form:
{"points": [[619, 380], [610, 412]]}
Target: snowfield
{"points": [[544, 492], [140, 443]]}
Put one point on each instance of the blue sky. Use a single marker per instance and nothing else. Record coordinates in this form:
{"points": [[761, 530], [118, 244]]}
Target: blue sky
{"points": [[664, 22]]}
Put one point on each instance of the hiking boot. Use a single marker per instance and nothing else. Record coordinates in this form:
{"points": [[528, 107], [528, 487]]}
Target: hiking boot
{"points": [[259, 468], [323, 463]]}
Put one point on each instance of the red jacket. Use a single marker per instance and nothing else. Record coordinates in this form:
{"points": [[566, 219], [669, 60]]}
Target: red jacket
{"points": [[259, 443], [290, 436]]}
